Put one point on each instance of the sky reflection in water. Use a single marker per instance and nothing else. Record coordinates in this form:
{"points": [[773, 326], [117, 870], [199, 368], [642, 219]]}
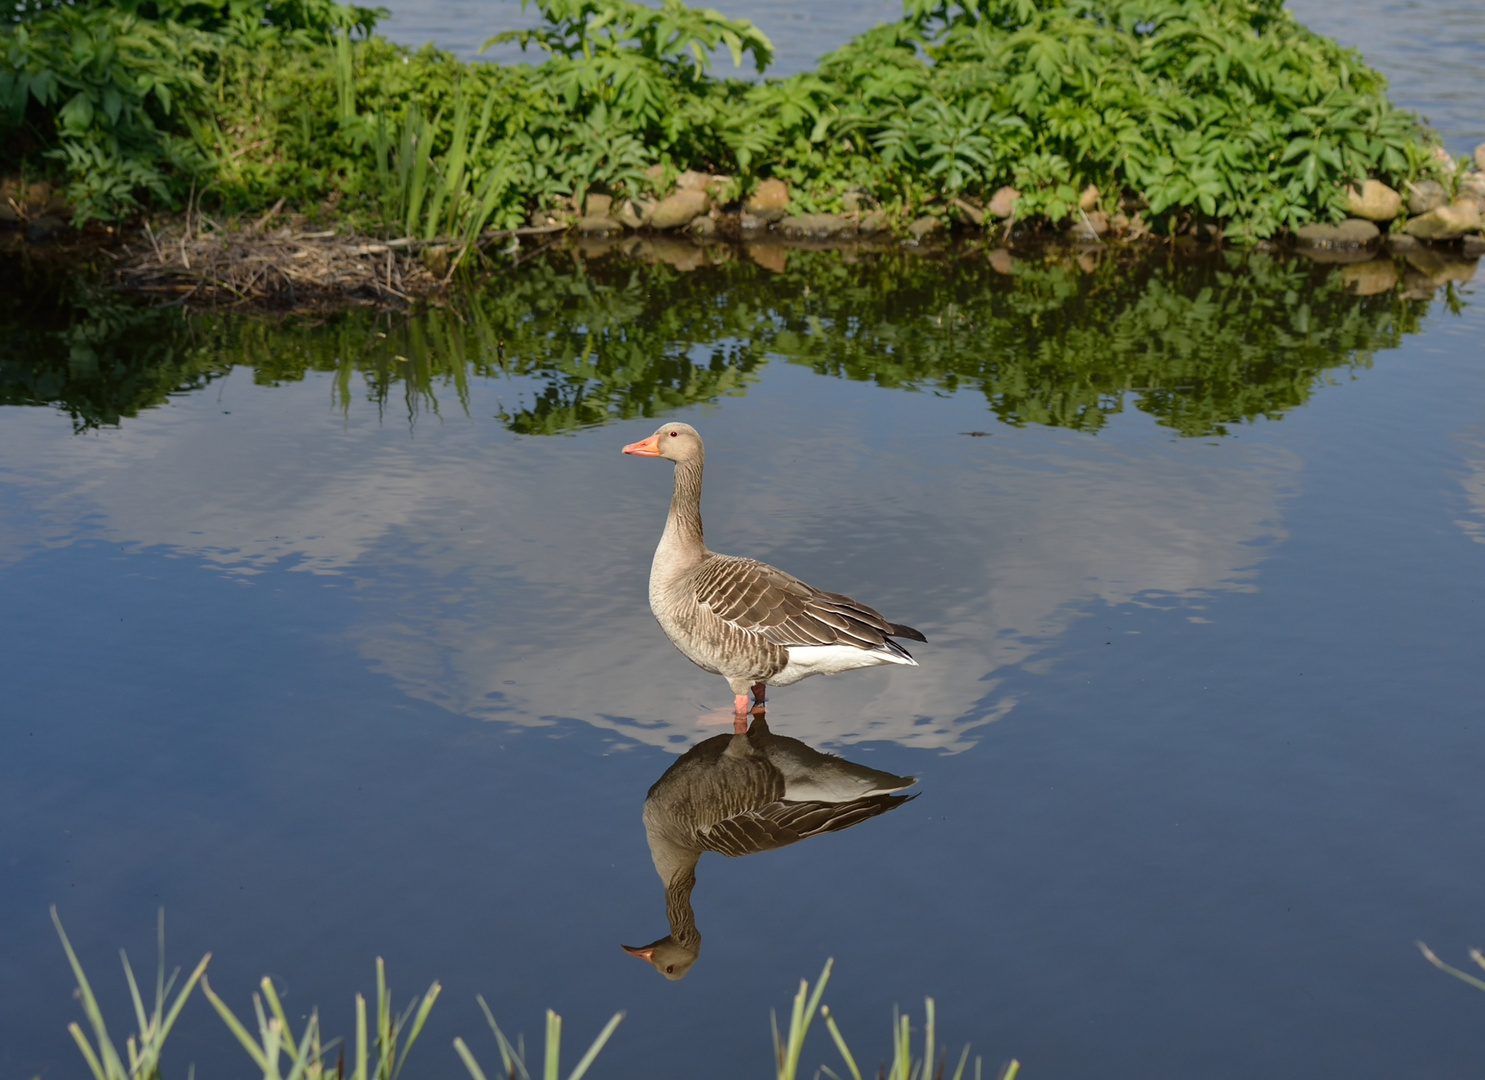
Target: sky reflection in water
{"points": [[1212, 567]]}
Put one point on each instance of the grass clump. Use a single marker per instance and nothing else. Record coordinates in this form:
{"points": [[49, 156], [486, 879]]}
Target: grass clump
{"points": [[380, 1050], [1223, 113]]}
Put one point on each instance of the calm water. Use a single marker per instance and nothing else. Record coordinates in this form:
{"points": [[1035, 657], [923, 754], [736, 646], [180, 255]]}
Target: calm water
{"points": [[329, 634], [337, 654]]}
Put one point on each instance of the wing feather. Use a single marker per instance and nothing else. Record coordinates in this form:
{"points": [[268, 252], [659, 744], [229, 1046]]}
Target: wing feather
{"points": [[760, 599], [780, 824]]}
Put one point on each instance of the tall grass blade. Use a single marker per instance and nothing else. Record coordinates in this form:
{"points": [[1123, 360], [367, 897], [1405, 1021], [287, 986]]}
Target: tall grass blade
{"points": [[469, 1062], [417, 1027], [554, 1046], [581, 1069], [840, 1043], [107, 1056], [235, 1026], [513, 1060], [1463, 976]]}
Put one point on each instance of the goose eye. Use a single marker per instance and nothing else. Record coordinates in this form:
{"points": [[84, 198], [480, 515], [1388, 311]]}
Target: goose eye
{"points": [[673, 434], [669, 968]]}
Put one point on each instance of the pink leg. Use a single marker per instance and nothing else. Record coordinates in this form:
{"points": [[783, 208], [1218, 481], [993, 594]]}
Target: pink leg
{"points": [[740, 714]]}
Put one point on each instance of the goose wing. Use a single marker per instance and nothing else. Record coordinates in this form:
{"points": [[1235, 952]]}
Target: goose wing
{"points": [[780, 824], [760, 599]]}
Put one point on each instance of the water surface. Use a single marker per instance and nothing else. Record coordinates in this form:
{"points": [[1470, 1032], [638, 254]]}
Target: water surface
{"points": [[329, 634]]}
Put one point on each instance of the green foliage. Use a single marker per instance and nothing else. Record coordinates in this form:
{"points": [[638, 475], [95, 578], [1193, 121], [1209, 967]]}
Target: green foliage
{"points": [[1199, 346], [107, 90], [1226, 112]]}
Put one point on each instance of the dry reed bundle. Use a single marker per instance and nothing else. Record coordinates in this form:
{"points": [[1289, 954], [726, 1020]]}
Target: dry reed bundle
{"points": [[198, 261]]}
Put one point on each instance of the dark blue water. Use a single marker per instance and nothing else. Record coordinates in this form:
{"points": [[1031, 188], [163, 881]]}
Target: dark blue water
{"points": [[331, 675], [337, 655]]}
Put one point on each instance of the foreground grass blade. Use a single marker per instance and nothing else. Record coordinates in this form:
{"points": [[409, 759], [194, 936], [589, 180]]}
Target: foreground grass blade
{"points": [[1464, 976], [581, 1069], [144, 1049]]}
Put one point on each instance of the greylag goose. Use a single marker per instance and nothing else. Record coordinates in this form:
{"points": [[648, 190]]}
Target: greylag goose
{"points": [[738, 795], [754, 625]]}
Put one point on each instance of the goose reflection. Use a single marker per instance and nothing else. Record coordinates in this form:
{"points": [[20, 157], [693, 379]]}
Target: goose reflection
{"points": [[741, 794]]}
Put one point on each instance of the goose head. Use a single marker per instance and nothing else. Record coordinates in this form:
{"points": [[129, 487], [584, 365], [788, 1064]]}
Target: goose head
{"points": [[669, 957], [678, 442]]}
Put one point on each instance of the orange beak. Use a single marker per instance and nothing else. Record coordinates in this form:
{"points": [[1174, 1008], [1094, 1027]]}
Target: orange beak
{"points": [[648, 952], [644, 448]]}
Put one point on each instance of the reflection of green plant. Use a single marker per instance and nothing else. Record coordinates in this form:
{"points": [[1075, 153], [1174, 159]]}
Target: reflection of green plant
{"points": [[1199, 345]]}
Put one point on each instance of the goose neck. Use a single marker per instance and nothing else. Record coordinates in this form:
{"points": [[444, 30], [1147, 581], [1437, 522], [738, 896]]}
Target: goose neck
{"points": [[683, 538], [678, 909]]}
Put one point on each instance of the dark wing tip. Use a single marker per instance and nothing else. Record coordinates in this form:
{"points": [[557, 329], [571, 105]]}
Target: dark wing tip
{"points": [[898, 630]]}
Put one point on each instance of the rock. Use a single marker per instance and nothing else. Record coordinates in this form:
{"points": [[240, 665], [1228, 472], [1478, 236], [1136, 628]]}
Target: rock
{"points": [[1001, 261], [1370, 278], [774, 257], [874, 222], [1374, 202], [1474, 246], [1089, 227], [1446, 223], [1003, 203], [717, 187], [769, 201], [598, 206], [1480, 157], [1441, 267], [44, 228], [1426, 195], [599, 226], [1401, 243], [750, 223], [1446, 160], [1088, 199], [680, 254], [678, 209], [1353, 232], [816, 226], [924, 226], [851, 202], [655, 173], [702, 228], [629, 215], [970, 211], [1119, 223], [690, 180], [1472, 189]]}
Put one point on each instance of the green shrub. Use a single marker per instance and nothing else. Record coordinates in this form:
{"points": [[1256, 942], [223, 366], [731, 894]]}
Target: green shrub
{"points": [[1227, 113]]}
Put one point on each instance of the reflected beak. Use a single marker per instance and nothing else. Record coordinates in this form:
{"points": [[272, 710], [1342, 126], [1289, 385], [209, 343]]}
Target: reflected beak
{"points": [[648, 952], [644, 448]]}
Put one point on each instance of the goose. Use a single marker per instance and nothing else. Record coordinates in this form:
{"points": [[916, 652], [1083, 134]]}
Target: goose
{"points": [[749, 622], [740, 794]]}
